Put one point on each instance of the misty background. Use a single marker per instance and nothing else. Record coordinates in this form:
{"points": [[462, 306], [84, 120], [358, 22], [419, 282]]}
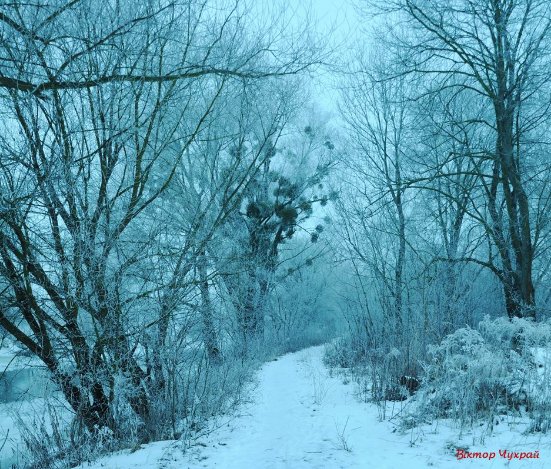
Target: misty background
{"points": [[192, 188]]}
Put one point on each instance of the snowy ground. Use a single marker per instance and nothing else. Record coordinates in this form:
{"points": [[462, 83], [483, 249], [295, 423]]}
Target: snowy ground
{"points": [[302, 418], [23, 386], [12, 448], [11, 359]]}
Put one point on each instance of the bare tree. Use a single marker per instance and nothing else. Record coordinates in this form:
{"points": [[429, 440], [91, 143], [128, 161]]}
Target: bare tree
{"points": [[496, 50], [276, 206], [101, 102], [447, 164], [376, 113]]}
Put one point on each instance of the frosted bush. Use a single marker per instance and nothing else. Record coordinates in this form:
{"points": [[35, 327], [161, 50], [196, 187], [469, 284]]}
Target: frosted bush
{"points": [[340, 354], [476, 374]]}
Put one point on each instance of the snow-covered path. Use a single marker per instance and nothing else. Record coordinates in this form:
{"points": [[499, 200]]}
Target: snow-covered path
{"points": [[294, 423], [302, 418]]}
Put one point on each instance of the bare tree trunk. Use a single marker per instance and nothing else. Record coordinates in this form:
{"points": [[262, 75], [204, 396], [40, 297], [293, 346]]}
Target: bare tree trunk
{"points": [[502, 63], [400, 261], [209, 331]]}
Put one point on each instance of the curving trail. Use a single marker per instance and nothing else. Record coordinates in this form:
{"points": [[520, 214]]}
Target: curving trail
{"points": [[303, 418]]}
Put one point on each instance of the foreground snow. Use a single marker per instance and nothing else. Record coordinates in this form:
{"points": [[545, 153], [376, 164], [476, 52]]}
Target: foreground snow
{"points": [[302, 418]]}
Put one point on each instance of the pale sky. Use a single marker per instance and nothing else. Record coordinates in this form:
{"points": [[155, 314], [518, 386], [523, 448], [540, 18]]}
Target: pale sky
{"points": [[338, 19], [331, 20]]}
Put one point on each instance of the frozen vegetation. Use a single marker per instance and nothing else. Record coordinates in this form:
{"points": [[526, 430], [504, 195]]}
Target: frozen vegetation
{"points": [[247, 233], [302, 417]]}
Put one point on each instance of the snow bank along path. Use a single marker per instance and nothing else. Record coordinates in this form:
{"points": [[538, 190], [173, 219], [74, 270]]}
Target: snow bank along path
{"points": [[302, 418]]}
